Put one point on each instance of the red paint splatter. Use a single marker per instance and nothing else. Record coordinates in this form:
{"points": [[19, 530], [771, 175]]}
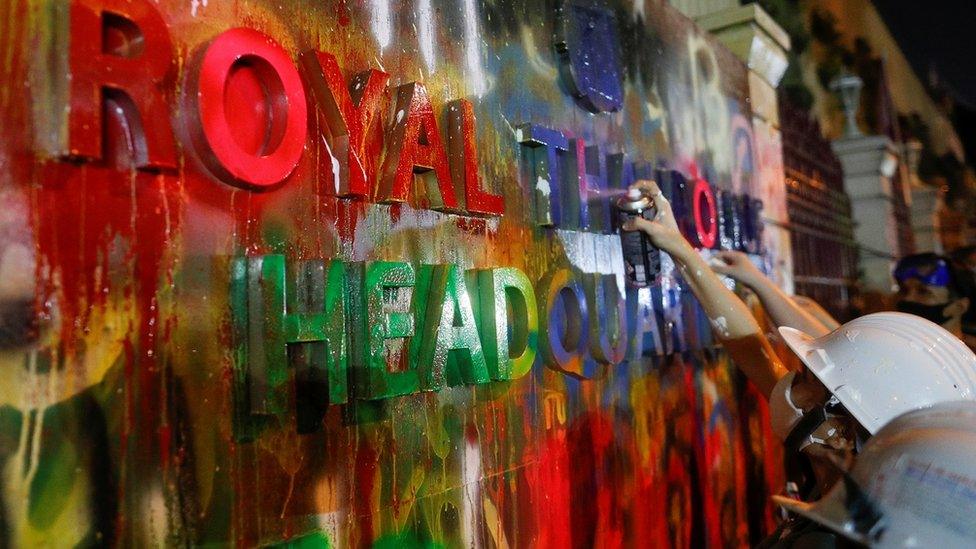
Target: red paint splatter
{"points": [[471, 225], [343, 13], [165, 438], [551, 490], [366, 462], [103, 232]]}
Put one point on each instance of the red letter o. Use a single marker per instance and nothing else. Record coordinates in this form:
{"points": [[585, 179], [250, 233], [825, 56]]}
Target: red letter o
{"points": [[706, 222], [250, 110]]}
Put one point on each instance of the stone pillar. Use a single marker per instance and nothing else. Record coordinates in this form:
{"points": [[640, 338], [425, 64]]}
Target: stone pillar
{"points": [[698, 8], [925, 206], [752, 35], [924, 201], [869, 163]]}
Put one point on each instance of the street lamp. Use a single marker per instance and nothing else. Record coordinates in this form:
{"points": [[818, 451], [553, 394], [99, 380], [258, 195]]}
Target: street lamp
{"points": [[847, 86]]}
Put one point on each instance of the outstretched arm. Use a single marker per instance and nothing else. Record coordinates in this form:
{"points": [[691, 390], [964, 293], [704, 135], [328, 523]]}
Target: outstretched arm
{"points": [[814, 309], [730, 318], [782, 309]]}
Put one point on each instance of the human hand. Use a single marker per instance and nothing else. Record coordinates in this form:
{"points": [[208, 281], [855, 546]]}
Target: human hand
{"points": [[737, 265], [663, 229]]}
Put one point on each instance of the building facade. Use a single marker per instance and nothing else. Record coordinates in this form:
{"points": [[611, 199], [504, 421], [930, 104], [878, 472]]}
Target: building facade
{"points": [[343, 273]]}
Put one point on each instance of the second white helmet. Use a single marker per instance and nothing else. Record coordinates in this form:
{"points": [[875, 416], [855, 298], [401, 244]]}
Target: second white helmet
{"points": [[882, 365], [914, 485]]}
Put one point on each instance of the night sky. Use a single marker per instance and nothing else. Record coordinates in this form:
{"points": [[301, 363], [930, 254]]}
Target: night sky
{"points": [[941, 35]]}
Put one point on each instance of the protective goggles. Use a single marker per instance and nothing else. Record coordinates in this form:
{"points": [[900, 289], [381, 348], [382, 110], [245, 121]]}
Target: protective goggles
{"points": [[818, 427], [932, 273]]}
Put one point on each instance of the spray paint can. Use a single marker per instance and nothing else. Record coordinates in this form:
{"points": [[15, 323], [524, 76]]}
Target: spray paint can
{"points": [[642, 260]]}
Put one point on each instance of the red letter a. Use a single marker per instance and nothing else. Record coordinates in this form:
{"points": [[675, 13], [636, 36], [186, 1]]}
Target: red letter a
{"points": [[416, 147]]}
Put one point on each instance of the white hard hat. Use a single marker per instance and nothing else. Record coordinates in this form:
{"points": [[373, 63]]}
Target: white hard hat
{"points": [[914, 484], [884, 364]]}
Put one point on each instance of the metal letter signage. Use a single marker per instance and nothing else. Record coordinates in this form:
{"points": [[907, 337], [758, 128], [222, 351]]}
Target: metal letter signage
{"points": [[589, 62], [546, 154], [498, 290], [416, 147], [563, 322], [340, 331], [264, 327], [464, 162], [705, 214], [607, 318], [120, 51], [388, 376], [350, 116], [450, 352], [245, 71]]}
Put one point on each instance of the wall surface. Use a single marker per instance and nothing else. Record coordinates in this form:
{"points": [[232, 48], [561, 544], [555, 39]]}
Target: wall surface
{"points": [[154, 390]]}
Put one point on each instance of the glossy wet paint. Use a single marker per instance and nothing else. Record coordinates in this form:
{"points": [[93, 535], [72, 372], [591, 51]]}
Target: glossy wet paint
{"points": [[118, 411]]}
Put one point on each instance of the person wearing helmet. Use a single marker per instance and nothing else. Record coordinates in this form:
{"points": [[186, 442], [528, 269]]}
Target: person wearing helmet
{"points": [[874, 368], [964, 263], [927, 288], [855, 378], [914, 484]]}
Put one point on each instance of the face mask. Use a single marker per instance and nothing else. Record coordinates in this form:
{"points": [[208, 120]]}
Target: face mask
{"points": [[928, 312]]}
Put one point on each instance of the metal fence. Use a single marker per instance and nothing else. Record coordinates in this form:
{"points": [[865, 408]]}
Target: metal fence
{"points": [[825, 255]]}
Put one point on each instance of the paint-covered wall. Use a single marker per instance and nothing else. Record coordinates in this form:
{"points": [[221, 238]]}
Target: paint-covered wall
{"points": [[158, 276]]}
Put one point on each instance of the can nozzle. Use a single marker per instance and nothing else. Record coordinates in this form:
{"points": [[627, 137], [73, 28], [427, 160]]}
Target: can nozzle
{"points": [[634, 193]]}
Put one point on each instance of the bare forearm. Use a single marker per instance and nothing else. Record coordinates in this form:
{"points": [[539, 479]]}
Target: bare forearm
{"points": [[783, 310], [730, 318], [816, 311], [732, 321], [729, 315]]}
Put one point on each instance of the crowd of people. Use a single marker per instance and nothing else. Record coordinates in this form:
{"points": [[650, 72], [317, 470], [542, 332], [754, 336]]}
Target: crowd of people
{"points": [[877, 421]]}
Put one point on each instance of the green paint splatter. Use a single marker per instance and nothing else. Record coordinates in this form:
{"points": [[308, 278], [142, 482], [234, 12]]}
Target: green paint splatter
{"points": [[315, 540], [404, 539]]}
